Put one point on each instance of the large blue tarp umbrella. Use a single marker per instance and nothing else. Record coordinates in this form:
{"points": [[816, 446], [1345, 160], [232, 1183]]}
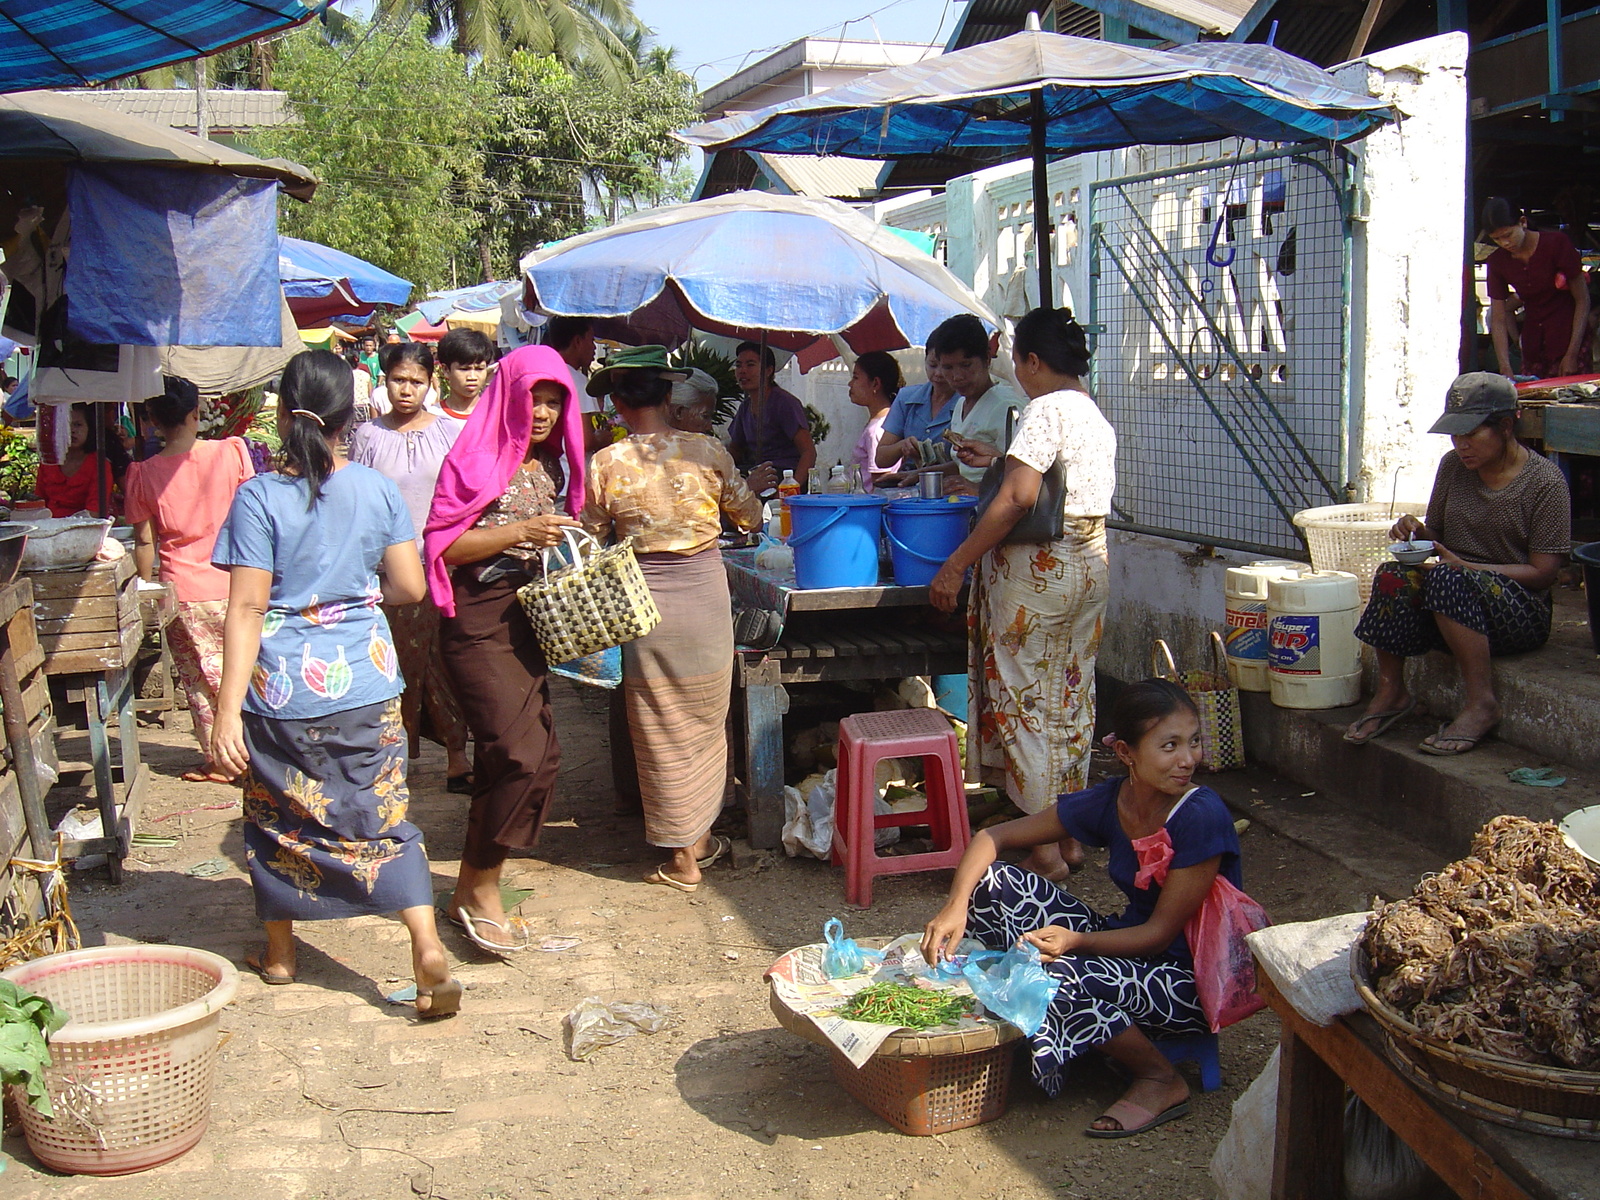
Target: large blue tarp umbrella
{"points": [[752, 264], [68, 43], [1050, 95], [321, 282]]}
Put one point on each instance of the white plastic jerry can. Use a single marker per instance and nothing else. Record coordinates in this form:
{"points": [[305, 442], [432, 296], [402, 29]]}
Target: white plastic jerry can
{"points": [[1313, 658], [1246, 619]]}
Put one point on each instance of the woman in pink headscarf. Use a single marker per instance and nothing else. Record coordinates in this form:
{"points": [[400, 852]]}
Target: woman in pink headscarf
{"points": [[494, 510]]}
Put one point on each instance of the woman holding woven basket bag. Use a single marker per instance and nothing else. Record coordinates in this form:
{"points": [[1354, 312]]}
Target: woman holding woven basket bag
{"points": [[669, 491], [494, 512]]}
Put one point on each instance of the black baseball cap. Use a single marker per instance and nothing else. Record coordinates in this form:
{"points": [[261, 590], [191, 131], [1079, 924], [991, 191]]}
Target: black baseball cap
{"points": [[1472, 399]]}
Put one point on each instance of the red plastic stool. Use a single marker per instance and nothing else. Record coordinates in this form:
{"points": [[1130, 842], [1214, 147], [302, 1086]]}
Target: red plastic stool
{"points": [[864, 740]]}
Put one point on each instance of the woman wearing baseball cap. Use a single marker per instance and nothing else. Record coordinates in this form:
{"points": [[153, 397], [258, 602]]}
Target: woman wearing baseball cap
{"points": [[1500, 519]]}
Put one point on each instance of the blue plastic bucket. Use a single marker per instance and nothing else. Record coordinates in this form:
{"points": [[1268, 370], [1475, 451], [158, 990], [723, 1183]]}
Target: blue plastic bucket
{"points": [[923, 533], [835, 539]]}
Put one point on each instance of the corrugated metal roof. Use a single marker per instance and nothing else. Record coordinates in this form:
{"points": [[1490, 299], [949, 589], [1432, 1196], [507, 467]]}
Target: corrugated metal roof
{"points": [[230, 110], [991, 20], [830, 177]]}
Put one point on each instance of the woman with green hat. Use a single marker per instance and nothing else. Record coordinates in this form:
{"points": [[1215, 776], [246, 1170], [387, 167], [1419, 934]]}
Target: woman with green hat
{"points": [[669, 491]]}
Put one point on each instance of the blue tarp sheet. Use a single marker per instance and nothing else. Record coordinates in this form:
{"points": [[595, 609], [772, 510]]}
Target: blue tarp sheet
{"points": [[169, 257], [480, 298], [67, 43], [309, 270]]}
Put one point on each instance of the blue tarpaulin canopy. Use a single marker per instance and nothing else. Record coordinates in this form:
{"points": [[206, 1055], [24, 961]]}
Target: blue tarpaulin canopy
{"points": [[68, 43], [1050, 94], [345, 284], [478, 298]]}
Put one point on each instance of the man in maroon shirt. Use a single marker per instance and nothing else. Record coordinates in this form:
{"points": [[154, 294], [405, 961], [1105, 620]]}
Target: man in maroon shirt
{"points": [[1543, 267]]}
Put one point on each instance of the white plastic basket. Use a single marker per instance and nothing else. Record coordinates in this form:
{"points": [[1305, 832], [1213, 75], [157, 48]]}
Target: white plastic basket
{"points": [[131, 1074], [1353, 537]]}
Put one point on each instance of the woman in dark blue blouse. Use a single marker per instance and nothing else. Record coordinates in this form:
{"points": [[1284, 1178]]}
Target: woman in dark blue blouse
{"points": [[1120, 975]]}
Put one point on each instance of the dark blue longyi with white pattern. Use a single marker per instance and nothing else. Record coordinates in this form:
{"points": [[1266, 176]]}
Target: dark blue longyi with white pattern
{"points": [[1100, 995]]}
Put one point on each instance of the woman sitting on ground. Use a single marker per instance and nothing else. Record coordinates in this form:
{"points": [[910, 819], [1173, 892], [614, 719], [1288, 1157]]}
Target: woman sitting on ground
{"points": [[1123, 975], [177, 500], [1500, 520]]}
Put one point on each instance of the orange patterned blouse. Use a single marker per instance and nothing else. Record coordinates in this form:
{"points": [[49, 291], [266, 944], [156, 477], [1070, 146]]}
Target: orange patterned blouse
{"points": [[668, 491]]}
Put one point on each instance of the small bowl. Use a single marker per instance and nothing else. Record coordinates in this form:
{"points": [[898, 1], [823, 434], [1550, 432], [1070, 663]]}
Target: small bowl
{"points": [[1582, 832], [1411, 554]]}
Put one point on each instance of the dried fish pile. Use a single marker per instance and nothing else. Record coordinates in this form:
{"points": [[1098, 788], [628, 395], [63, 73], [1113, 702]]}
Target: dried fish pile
{"points": [[1501, 950]]}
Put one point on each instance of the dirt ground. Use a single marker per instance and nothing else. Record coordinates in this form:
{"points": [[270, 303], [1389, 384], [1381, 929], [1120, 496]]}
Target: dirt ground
{"points": [[326, 1092]]}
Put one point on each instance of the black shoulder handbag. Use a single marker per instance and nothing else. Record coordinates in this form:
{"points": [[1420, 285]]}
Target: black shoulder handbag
{"points": [[1045, 522]]}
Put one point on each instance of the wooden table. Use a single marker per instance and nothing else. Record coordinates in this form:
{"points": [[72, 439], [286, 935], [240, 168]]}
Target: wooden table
{"points": [[29, 732], [158, 608], [1476, 1159], [1563, 428], [881, 632], [90, 626]]}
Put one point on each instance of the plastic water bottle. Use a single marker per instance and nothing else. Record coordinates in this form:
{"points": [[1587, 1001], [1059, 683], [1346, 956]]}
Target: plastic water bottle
{"points": [[787, 486]]}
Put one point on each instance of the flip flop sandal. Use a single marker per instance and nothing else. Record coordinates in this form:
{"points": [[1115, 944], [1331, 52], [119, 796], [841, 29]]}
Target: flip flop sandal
{"points": [[267, 977], [1384, 720], [719, 846], [1470, 743], [459, 785], [469, 926], [1135, 1119], [659, 875], [445, 1001]]}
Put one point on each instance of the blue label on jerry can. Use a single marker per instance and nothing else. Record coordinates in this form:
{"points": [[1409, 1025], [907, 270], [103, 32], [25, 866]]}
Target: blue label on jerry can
{"points": [[1296, 645], [1246, 638]]}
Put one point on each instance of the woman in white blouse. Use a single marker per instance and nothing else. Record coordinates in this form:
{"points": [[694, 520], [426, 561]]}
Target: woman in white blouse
{"points": [[1036, 607]]}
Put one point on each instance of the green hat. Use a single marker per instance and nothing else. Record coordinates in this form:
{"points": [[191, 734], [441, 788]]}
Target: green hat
{"points": [[634, 358]]}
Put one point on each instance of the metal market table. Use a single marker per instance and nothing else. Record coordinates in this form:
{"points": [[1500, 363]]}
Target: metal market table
{"points": [[1477, 1159], [880, 632]]}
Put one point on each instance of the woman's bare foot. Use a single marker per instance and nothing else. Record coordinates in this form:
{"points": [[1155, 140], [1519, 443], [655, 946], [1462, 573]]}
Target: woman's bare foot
{"points": [[438, 995], [685, 864], [1049, 861], [1471, 726], [456, 763], [277, 959], [477, 894]]}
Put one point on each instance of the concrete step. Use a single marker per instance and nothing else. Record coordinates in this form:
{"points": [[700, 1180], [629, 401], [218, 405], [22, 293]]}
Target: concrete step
{"points": [[1437, 802], [1387, 864], [1550, 698]]}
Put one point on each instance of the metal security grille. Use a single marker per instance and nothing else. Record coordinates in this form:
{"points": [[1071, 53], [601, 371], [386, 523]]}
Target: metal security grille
{"points": [[1221, 295]]}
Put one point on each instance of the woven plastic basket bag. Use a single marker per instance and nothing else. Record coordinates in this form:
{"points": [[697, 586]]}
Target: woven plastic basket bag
{"points": [[599, 599], [1213, 693]]}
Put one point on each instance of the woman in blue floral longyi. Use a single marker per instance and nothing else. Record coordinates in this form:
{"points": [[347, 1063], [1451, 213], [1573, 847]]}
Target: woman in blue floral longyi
{"points": [[310, 697]]}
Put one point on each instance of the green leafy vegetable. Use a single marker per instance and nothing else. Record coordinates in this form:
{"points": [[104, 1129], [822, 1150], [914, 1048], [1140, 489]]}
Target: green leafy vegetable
{"points": [[901, 1004], [26, 1021]]}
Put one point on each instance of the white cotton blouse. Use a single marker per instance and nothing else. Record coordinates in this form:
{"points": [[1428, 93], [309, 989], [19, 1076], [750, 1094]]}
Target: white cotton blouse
{"points": [[1069, 426]]}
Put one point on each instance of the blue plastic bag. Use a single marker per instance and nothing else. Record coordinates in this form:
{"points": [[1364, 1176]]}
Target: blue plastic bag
{"points": [[843, 957], [1012, 985], [602, 669]]}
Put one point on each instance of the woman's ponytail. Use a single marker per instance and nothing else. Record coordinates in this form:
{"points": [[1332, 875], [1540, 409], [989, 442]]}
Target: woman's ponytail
{"points": [[318, 395]]}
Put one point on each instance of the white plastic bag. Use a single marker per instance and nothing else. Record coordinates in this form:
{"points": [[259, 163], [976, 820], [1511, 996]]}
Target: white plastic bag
{"points": [[1377, 1164], [808, 823], [1309, 962], [1242, 1166]]}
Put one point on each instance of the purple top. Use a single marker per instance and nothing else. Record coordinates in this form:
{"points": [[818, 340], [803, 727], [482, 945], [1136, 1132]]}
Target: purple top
{"points": [[412, 460], [771, 439]]}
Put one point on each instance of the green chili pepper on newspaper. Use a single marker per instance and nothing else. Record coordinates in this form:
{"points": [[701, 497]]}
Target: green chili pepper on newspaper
{"points": [[900, 1004]]}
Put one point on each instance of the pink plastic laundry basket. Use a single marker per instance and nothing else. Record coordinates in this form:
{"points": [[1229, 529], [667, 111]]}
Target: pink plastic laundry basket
{"points": [[132, 1072]]}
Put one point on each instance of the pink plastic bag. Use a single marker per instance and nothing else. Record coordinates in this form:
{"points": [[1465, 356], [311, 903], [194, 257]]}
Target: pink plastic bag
{"points": [[1224, 970]]}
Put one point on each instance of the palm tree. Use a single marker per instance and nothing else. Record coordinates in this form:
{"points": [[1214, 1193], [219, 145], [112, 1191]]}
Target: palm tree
{"points": [[593, 32]]}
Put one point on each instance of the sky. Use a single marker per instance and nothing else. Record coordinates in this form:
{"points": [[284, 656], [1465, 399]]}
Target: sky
{"points": [[716, 38]]}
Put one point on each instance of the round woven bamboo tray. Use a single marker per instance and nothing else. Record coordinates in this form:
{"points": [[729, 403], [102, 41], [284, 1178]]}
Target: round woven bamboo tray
{"points": [[1550, 1100], [910, 1044]]}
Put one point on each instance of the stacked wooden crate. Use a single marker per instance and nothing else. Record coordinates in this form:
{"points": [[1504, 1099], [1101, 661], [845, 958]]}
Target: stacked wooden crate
{"points": [[88, 620], [27, 657]]}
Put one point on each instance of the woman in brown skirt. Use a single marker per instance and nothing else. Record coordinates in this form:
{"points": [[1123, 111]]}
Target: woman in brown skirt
{"points": [[494, 510], [669, 490]]}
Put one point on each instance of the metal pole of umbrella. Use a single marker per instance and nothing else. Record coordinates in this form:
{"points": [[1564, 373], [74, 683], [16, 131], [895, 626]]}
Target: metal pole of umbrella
{"points": [[1039, 127]]}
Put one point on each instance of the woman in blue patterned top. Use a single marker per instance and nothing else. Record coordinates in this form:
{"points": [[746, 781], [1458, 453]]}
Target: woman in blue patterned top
{"points": [[1120, 975], [310, 695]]}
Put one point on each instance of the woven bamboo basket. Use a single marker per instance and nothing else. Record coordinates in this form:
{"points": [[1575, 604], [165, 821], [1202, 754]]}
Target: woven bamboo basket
{"points": [[1549, 1100], [924, 1083]]}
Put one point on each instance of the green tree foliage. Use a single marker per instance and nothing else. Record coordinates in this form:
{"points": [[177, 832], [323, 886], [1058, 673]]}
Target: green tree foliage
{"points": [[590, 33], [391, 125], [557, 135]]}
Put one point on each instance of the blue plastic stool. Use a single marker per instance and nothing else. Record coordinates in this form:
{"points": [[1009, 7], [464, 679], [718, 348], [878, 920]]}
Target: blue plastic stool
{"points": [[1201, 1050]]}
